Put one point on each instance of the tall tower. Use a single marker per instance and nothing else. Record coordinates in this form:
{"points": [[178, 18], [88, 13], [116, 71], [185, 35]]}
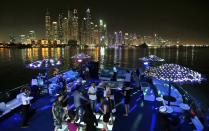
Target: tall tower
{"points": [[105, 35], [88, 27], [120, 38], [70, 25], [116, 39], [65, 30], [47, 25], [83, 32], [75, 31], [55, 30], [32, 35], [60, 27]]}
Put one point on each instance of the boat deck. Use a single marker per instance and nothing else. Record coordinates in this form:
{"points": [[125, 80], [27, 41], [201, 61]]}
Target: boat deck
{"points": [[143, 116]]}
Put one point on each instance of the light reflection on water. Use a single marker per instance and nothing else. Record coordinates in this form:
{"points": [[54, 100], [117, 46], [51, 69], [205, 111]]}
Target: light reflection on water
{"points": [[125, 57], [12, 61]]}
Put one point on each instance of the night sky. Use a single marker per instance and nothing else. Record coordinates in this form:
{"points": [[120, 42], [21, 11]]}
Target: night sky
{"points": [[174, 19]]}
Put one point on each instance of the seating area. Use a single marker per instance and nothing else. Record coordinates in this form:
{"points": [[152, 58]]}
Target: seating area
{"points": [[163, 89], [106, 74], [146, 106], [176, 107], [11, 105], [147, 91], [70, 77]]}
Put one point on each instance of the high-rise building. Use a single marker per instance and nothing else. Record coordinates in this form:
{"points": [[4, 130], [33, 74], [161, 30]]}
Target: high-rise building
{"points": [[47, 25], [65, 30], [60, 27], [120, 38], [103, 33], [88, 27], [32, 35], [126, 39], [95, 35], [75, 28], [116, 39], [70, 24], [54, 30], [68, 30], [83, 32]]}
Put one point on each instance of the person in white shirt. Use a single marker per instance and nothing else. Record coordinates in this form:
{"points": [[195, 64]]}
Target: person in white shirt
{"points": [[92, 95], [25, 106]]}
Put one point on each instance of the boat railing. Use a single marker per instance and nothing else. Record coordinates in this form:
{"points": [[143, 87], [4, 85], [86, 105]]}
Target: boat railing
{"points": [[8, 95]]}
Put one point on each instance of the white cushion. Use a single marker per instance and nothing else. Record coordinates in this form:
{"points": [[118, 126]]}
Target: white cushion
{"points": [[2, 106]]}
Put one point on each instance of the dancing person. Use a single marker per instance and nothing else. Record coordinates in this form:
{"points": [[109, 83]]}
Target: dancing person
{"points": [[25, 97], [105, 108], [58, 112], [90, 119], [92, 91], [126, 94], [110, 99], [77, 102]]}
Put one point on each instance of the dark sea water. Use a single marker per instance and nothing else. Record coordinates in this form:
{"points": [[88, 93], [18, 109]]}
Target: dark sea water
{"points": [[13, 72]]}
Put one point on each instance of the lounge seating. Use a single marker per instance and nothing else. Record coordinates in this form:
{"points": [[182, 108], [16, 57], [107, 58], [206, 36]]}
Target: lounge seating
{"points": [[163, 89], [198, 125], [4, 109], [11, 105], [147, 91]]}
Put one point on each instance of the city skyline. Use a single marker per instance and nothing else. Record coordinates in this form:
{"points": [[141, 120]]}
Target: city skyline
{"points": [[180, 20]]}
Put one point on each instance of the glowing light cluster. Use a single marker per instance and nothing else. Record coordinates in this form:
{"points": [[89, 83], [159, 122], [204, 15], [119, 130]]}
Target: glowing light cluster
{"points": [[45, 63], [173, 73], [151, 58], [81, 56]]}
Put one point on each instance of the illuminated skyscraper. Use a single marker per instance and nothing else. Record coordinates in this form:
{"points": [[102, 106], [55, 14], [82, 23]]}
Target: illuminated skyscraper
{"points": [[126, 39], [75, 31], [95, 35], [70, 24], [103, 33], [47, 25], [32, 35], [88, 27], [120, 38], [54, 30], [60, 27], [65, 30], [116, 39], [83, 32]]}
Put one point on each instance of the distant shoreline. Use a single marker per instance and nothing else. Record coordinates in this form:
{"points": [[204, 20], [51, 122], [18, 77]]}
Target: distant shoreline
{"points": [[23, 46]]}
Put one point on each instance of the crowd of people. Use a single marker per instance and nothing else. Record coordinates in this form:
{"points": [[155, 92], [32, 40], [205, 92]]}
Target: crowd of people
{"points": [[87, 103]]}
